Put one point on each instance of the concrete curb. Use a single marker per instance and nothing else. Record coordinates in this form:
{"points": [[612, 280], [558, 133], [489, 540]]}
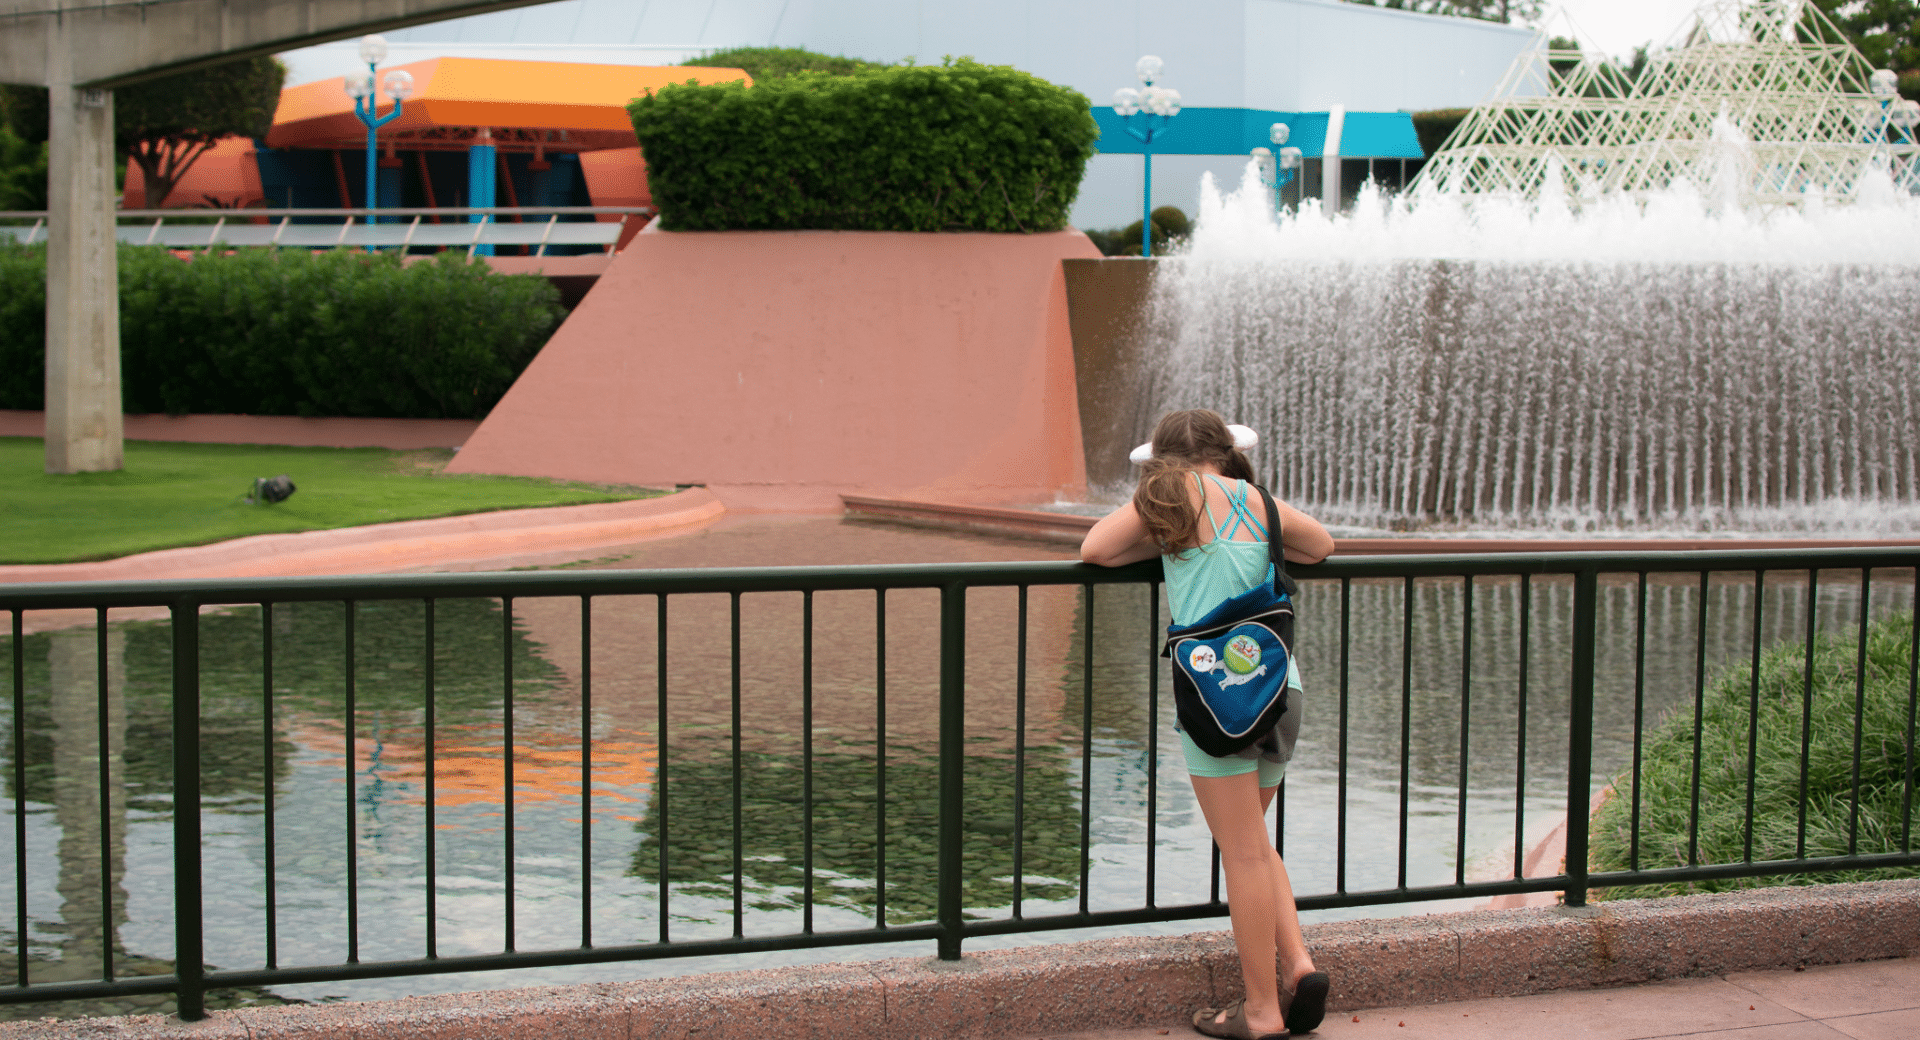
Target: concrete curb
{"points": [[1116, 983], [406, 544]]}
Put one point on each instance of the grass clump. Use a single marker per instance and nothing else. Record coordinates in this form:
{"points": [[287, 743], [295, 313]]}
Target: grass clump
{"points": [[172, 495], [1665, 793]]}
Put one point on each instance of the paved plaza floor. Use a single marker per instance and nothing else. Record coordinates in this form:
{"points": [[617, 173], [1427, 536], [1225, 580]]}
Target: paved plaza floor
{"points": [[1873, 1000]]}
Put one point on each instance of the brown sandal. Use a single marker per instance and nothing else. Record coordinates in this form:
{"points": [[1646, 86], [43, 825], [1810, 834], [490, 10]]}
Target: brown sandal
{"points": [[1234, 1028]]}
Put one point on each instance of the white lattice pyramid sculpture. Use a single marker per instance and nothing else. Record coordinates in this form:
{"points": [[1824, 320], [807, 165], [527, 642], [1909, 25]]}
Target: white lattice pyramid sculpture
{"points": [[1762, 103]]}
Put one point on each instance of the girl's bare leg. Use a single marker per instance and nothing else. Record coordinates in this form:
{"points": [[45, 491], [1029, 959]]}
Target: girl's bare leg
{"points": [[1295, 961], [1259, 896]]}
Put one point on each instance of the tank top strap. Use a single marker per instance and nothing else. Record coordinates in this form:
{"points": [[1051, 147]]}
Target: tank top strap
{"points": [[1206, 505], [1241, 515]]}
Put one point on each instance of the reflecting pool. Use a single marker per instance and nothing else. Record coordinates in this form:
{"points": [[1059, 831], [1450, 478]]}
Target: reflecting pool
{"points": [[338, 799]]}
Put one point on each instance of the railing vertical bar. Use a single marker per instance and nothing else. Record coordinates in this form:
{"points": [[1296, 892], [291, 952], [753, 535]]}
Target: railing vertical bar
{"points": [[1913, 702], [806, 761], [660, 788], [1340, 800], [1520, 730], [953, 745], [507, 849], [20, 791], [1586, 595], [1699, 717], [350, 714], [1753, 711], [880, 758], [268, 880], [739, 854], [1806, 711], [1153, 735], [1406, 720], [1466, 728], [1280, 818], [432, 754], [1213, 895], [1086, 746], [189, 940], [1859, 708], [1020, 762], [1639, 716], [103, 759], [586, 769]]}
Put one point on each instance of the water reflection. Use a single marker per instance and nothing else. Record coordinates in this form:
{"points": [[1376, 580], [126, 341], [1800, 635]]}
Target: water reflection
{"points": [[429, 860]]}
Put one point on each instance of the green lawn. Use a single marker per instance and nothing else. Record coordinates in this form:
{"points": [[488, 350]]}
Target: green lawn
{"points": [[190, 494]]}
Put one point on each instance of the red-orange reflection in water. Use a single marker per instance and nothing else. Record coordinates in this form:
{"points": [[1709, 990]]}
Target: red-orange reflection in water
{"points": [[468, 767]]}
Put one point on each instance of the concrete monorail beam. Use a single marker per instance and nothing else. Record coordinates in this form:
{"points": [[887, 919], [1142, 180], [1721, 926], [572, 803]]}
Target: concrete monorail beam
{"points": [[125, 41], [80, 50]]}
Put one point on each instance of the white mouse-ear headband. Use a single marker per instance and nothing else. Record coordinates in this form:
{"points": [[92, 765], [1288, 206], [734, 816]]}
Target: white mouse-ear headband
{"points": [[1243, 438]]}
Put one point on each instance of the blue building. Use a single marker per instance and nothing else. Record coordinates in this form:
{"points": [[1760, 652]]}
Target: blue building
{"points": [[1343, 76]]}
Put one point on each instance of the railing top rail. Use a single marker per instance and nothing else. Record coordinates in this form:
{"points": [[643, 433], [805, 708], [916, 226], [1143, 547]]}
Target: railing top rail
{"points": [[445, 211], [54, 595]]}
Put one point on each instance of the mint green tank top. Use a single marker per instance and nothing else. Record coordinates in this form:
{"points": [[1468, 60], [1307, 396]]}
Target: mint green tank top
{"points": [[1205, 576]]}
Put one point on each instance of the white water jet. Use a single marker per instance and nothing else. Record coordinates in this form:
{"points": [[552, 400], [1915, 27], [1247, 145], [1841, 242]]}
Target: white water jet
{"points": [[1670, 362]]}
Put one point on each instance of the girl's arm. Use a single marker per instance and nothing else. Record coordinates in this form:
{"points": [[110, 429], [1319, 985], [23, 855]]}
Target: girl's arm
{"points": [[1121, 538], [1302, 539]]}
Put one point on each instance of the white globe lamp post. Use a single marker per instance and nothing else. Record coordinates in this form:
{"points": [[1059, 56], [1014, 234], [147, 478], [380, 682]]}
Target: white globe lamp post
{"points": [[1146, 112]]}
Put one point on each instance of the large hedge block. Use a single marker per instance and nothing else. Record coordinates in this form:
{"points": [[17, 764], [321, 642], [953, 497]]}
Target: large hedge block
{"points": [[954, 147], [256, 332]]}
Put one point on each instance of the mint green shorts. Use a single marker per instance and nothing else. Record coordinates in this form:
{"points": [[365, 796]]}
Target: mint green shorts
{"points": [[1199, 763]]}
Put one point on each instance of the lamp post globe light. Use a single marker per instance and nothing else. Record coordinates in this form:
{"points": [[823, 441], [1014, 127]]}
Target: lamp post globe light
{"points": [[1277, 165], [1146, 112], [398, 85]]}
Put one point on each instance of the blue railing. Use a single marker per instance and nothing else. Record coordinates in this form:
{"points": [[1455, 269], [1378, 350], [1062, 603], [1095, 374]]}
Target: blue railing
{"points": [[788, 785]]}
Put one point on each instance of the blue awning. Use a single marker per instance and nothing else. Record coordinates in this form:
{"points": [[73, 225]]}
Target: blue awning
{"points": [[1236, 131]]}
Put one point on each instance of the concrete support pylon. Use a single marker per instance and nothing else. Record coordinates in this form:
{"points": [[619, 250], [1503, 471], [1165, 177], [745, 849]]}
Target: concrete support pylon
{"points": [[83, 280]]}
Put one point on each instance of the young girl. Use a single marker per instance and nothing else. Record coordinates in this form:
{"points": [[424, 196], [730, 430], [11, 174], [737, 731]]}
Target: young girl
{"points": [[1197, 470]]}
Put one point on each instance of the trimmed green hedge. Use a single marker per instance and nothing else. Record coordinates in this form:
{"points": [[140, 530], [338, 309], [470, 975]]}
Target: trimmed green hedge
{"points": [[337, 333], [765, 64], [954, 147]]}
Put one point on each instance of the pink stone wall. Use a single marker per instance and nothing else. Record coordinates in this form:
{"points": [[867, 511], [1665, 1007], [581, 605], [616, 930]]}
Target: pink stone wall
{"points": [[783, 368]]}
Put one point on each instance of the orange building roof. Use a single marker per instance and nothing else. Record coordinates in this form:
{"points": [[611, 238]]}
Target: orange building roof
{"points": [[560, 106]]}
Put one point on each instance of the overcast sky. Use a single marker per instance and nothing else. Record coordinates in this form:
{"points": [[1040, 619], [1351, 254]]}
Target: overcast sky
{"points": [[1616, 27]]}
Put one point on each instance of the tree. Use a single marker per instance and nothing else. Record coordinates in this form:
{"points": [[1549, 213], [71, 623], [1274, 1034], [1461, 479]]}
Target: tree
{"points": [[1887, 32], [165, 125], [23, 172], [24, 111], [1486, 10], [23, 147], [765, 63]]}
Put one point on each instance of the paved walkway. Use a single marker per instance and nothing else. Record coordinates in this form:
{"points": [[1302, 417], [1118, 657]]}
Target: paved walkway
{"points": [[1875, 1000]]}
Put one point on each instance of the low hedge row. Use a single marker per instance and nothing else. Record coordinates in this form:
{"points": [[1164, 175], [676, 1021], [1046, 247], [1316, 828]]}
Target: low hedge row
{"points": [[954, 147], [255, 332]]}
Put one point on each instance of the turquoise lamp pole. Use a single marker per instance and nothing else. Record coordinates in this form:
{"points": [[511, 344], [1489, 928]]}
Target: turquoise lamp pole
{"points": [[1152, 106], [1277, 166], [399, 87]]}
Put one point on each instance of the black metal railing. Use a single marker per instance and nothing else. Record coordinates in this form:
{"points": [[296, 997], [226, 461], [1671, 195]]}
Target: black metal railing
{"points": [[1568, 638]]}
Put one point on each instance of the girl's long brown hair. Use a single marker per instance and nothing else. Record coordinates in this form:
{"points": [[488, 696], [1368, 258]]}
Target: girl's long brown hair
{"points": [[1164, 499]]}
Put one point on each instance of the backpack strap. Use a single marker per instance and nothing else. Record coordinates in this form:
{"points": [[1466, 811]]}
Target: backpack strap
{"points": [[1282, 582]]}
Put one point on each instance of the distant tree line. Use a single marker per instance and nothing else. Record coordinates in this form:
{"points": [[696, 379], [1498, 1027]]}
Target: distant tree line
{"points": [[1486, 10], [163, 125]]}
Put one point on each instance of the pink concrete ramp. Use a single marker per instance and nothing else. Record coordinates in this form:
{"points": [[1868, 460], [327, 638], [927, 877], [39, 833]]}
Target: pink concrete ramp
{"points": [[784, 368]]}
